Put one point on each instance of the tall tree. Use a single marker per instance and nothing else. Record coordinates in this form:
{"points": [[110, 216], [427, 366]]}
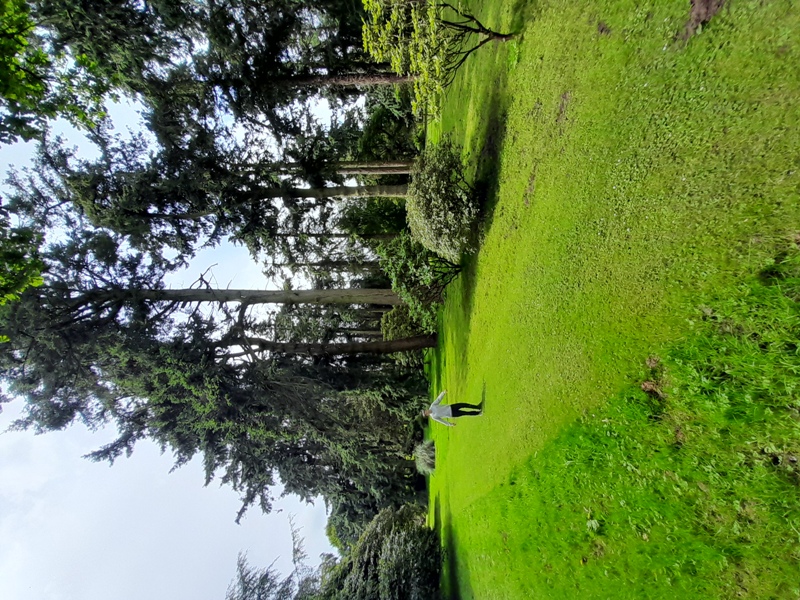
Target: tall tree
{"points": [[98, 343]]}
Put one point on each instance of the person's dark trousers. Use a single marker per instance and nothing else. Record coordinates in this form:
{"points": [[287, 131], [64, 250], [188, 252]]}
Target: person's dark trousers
{"points": [[463, 409]]}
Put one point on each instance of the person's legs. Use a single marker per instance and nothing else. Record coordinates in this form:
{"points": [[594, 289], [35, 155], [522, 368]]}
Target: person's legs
{"points": [[462, 409]]}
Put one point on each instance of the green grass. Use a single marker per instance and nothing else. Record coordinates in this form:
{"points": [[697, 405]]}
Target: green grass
{"points": [[632, 177]]}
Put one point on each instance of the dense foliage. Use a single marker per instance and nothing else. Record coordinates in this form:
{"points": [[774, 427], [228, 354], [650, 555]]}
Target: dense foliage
{"points": [[20, 266], [396, 558], [390, 128], [425, 39], [442, 207], [37, 83], [407, 36], [418, 276], [297, 388]]}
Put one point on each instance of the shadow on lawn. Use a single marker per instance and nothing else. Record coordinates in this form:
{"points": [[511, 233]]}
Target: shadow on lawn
{"points": [[486, 179], [521, 12], [454, 579]]}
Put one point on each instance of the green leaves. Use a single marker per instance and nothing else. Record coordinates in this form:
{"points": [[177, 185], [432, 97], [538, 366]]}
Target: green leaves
{"points": [[39, 82], [397, 557], [23, 69], [20, 265], [409, 37], [419, 277]]}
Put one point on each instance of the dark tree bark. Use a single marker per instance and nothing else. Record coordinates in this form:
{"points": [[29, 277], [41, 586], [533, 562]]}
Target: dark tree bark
{"points": [[349, 80], [335, 296], [355, 167], [340, 348]]}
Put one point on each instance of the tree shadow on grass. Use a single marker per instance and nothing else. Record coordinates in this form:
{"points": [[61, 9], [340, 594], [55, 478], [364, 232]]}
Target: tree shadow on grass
{"points": [[522, 14], [486, 182], [455, 579]]}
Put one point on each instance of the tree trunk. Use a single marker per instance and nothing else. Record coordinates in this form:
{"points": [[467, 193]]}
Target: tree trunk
{"points": [[399, 167], [339, 265], [356, 167], [350, 80], [336, 236], [336, 296], [343, 191], [333, 349], [358, 332]]}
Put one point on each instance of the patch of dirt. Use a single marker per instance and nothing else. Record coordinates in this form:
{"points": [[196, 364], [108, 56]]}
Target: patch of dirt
{"points": [[651, 388], [701, 13], [603, 28], [680, 437], [653, 362], [562, 107], [598, 548]]}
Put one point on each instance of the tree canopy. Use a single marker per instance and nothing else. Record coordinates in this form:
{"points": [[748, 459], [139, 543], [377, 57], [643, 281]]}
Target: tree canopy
{"points": [[296, 384]]}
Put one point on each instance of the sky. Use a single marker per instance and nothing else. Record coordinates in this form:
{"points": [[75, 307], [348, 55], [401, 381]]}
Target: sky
{"points": [[71, 529]]}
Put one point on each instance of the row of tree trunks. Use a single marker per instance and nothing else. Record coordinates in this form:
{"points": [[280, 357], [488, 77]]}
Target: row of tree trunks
{"points": [[338, 265], [341, 191]]}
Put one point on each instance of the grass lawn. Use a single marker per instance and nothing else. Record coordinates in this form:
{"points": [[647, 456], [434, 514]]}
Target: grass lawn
{"points": [[643, 197]]}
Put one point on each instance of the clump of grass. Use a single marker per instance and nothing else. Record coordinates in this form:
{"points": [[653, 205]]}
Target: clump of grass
{"points": [[425, 457]]}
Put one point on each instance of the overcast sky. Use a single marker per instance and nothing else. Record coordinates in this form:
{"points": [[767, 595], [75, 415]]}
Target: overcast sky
{"points": [[71, 529]]}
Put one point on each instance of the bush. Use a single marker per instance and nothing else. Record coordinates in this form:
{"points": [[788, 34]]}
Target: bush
{"points": [[389, 125], [442, 208], [425, 457], [396, 558], [419, 277], [397, 324]]}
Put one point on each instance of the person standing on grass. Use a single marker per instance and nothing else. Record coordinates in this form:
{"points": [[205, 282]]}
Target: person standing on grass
{"points": [[439, 412]]}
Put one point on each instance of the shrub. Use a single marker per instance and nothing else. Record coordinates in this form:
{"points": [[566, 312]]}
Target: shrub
{"points": [[419, 277], [396, 558], [442, 208], [333, 536], [397, 324], [425, 457]]}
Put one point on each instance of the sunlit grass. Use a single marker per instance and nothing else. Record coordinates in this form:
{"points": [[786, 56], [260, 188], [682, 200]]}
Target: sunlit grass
{"points": [[632, 178]]}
